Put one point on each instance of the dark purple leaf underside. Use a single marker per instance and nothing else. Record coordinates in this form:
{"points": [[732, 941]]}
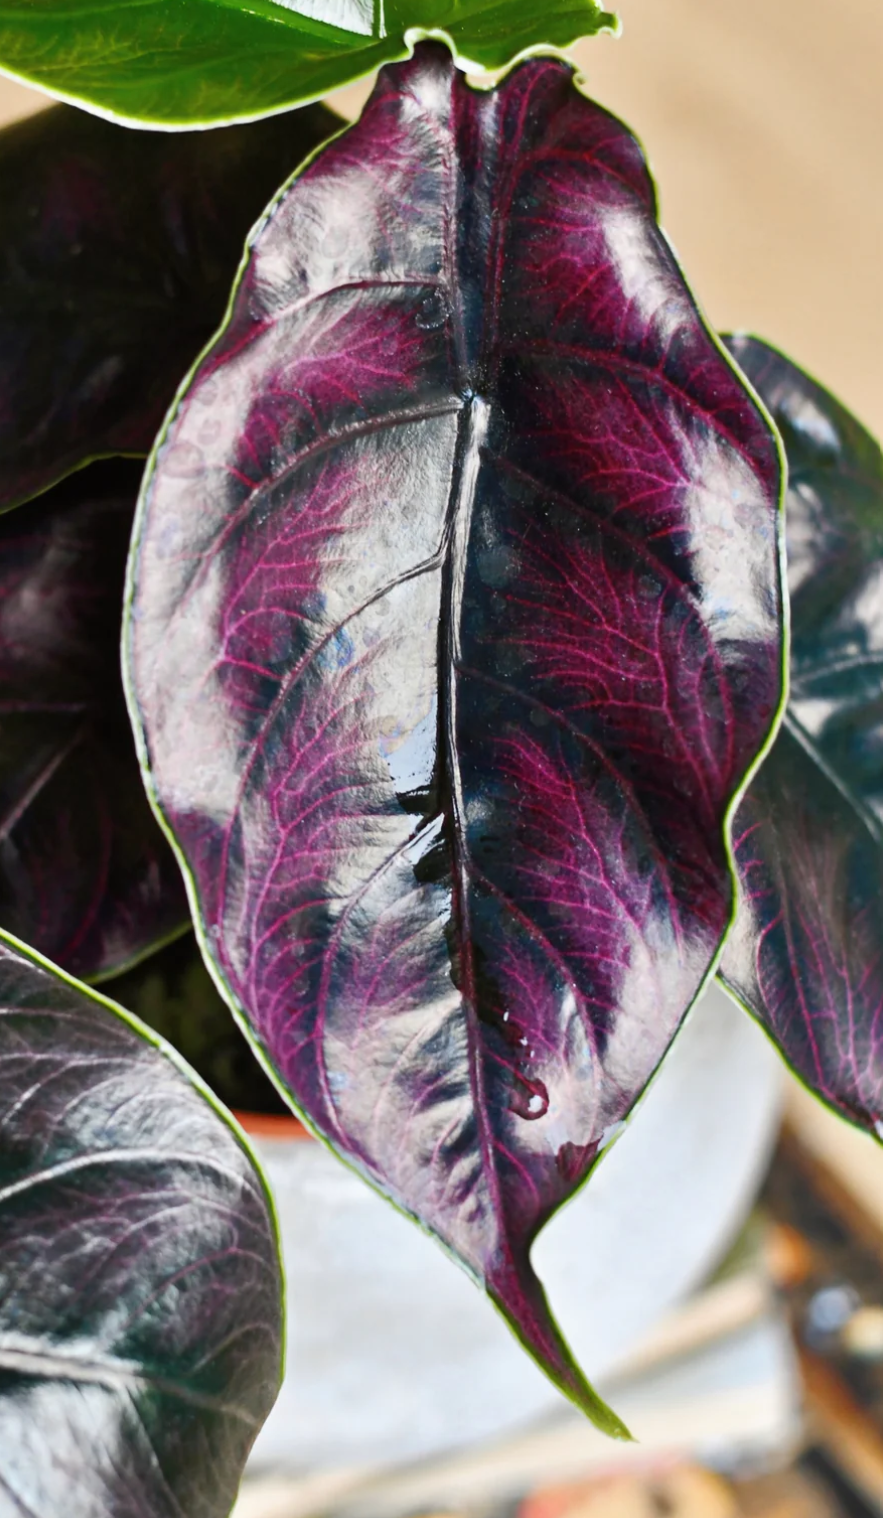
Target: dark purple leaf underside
{"points": [[806, 955], [140, 1286], [117, 250], [456, 625], [86, 876]]}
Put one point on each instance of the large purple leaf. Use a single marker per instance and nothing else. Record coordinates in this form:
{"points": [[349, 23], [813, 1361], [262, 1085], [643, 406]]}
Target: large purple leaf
{"points": [[806, 955], [456, 625], [117, 251], [140, 1285], [85, 873]]}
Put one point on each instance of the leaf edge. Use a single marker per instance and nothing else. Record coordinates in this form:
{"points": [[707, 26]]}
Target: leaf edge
{"points": [[398, 51]]}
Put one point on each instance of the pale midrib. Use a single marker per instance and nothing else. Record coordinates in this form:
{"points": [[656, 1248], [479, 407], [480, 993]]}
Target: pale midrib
{"points": [[114, 1375], [38, 784], [472, 436], [817, 669], [145, 1156], [856, 803]]}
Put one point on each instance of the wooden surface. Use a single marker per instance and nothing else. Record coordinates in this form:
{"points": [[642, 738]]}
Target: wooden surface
{"points": [[850, 1157], [16, 101], [764, 124]]}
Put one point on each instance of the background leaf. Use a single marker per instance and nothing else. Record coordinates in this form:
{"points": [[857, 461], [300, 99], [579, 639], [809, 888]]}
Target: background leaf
{"points": [[140, 1287], [117, 252], [179, 64], [86, 876], [806, 955], [174, 994], [455, 629]]}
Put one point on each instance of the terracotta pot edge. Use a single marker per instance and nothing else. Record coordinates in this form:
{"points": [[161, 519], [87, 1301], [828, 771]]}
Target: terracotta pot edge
{"points": [[277, 1126]]}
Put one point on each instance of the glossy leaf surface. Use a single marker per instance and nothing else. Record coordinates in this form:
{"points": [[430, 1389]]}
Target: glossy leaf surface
{"points": [[86, 875], [140, 1287], [807, 953], [117, 252], [179, 62], [456, 626]]}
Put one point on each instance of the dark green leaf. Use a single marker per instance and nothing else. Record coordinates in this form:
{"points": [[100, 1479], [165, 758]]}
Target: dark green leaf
{"points": [[806, 954], [117, 251], [140, 1286], [185, 61]]}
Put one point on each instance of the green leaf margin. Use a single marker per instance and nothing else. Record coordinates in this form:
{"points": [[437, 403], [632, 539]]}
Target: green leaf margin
{"points": [[162, 1045], [810, 748]]}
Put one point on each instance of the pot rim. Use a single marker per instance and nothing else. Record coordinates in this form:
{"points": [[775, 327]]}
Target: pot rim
{"points": [[273, 1125]]}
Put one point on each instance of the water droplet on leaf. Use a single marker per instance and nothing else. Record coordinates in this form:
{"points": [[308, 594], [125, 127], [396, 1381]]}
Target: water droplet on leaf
{"points": [[433, 311], [529, 1099]]}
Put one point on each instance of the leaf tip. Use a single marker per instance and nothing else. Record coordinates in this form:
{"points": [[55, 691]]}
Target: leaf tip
{"points": [[519, 1297]]}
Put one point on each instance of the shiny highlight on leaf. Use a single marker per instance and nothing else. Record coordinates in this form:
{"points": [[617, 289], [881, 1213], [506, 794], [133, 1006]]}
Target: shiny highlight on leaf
{"points": [[456, 628]]}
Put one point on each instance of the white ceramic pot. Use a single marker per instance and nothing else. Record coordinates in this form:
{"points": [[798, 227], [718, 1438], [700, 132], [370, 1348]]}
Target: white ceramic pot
{"points": [[394, 1354]]}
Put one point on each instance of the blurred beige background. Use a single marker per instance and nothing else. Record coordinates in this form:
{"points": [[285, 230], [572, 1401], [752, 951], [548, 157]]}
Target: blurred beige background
{"points": [[763, 120]]}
